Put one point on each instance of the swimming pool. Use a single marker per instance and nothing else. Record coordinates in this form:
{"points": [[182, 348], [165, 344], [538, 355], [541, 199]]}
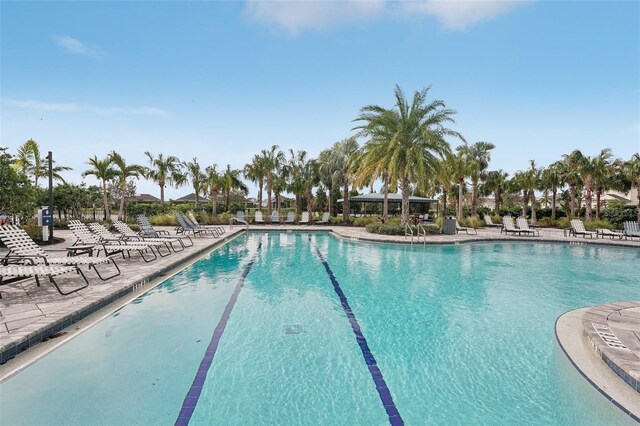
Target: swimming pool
{"points": [[456, 334]]}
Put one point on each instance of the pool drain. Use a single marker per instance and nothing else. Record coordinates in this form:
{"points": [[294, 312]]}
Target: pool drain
{"points": [[292, 329]]}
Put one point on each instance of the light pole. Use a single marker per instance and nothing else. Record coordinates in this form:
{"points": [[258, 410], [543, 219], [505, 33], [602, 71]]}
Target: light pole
{"points": [[50, 159]]}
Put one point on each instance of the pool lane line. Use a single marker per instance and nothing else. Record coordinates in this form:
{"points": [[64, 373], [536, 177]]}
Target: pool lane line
{"points": [[381, 386], [191, 400]]}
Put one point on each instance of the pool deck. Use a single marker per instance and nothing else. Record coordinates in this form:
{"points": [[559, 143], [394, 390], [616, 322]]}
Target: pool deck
{"points": [[30, 315]]}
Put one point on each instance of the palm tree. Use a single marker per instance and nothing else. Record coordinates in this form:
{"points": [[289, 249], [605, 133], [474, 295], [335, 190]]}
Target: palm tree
{"points": [[194, 173], [446, 178], [340, 160], [211, 185], [273, 159], [497, 182], [460, 167], [478, 156], [531, 181], [368, 167], [256, 172], [28, 160], [102, 170], [631, 171], [573, 177], [124, 171], [231, 180], [297, 164], [552, 179], [412, 136], [601, 168], [163, 171], [327, 175]]}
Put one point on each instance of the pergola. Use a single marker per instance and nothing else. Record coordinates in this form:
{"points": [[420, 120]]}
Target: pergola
{"points": [[375, 197]]}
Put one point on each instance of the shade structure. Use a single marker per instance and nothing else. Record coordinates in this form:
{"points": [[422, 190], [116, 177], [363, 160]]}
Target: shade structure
{"points": [[375, 197]]}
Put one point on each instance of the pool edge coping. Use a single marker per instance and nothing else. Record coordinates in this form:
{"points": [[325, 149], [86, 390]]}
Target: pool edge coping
{"points": [[562, 319]]}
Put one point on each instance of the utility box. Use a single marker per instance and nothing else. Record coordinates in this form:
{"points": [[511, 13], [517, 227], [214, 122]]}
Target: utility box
{"points": [[449, 226], [45, 219]]}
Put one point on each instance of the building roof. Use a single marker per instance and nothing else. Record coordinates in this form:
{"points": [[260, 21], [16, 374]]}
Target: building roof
{"points": [[192, 197], [391, 198], [145, 198]]}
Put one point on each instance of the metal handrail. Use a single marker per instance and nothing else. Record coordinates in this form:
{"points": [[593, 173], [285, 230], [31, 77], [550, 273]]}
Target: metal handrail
{"points": [[407, 226], [233, 218]]}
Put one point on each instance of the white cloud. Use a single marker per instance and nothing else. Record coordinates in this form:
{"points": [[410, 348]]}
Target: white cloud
{"points": [[69, 107], [295, 16], [76, 47], [461, 14]]}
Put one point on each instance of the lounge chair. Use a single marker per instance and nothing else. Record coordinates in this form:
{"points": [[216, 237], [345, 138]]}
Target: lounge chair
{"points": [[523, 226], [146, 230], [465, 229], [509, 226], [106, 235], [275, 217], [24, 250], [258, 217], [110, 247], [192, 220], [577, 228], [631, 229], [291, 217], [489, 222], [304, 218], [19, 272], [324, 220], [132, 235], [240, 215], [604, 232]]}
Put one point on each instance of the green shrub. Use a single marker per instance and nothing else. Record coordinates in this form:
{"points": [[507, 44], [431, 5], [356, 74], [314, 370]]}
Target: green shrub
{"points": [[364, 221], [472, 222], [164, 220], [595, 224], [397, 228], [616, 216]]}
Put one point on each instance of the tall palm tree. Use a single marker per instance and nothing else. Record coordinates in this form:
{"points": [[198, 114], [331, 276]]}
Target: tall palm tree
{"points": [[212, 184], [28, 160], [531, 181], [273, 160], [103, 171], [165, 170], [477, 156], [497, 182], [588, 168], [194, 173], [446, 178], [368, 167], [602, 168], [460, 167], [327, 175], [573, 177], [231, 180], [256, 172], [552, 180], [414, 138], [631, 171], [341, 157], [123, 172], [297, 165]]}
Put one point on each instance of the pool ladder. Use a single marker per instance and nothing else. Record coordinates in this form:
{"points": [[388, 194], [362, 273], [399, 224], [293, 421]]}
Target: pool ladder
{"points": [[235, 219], [420, 231]]}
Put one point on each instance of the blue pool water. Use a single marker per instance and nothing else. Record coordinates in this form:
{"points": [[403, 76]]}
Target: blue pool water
{"points": [[458, 334]]}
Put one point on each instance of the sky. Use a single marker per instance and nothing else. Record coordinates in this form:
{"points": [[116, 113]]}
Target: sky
{"points": [[221, 81]]}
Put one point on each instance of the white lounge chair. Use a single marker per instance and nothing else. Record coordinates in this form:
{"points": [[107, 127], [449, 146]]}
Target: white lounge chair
{"points": [[304, 218], [523, 226], [509, 226], [258, 218], [13, 273], [275, 217], [291, 217], [131, 235], [324, 220], [464, 228], [489, 222], [631, 229], [24, 250], [577, 228], [106, 235]]}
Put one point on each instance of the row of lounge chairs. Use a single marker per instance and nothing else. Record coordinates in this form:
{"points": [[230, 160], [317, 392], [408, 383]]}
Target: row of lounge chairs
{"points": [[630, 230], [25, 259], [305, 218]]}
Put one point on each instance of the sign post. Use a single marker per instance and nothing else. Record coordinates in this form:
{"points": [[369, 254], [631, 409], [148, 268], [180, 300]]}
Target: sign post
{"points": [[50, 221]]}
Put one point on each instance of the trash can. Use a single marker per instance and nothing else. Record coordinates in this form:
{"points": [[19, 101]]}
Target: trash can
{"points": [[449, 226]]}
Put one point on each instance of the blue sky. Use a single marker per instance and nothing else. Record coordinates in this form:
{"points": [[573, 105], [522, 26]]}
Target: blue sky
{"points": [[222, 80]]}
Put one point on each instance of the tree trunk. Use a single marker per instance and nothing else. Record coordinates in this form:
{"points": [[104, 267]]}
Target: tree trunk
{"points": [[385, 203], [214, 203], [269, 191], [297, 204], [345, 202], [404, 187], [161, 184], [459, 209], [260, 185], [533, 207], [554, 192], [105, 199], [525, 202], [588, 197], [121, 212], [474, 199], [572, 202], [310, 201], [498, 200], [598, 195], [444, 203], [330, 203], [226, 198]]}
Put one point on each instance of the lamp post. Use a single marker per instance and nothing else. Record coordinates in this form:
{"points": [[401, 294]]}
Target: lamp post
{"points": [[50, 159]]}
